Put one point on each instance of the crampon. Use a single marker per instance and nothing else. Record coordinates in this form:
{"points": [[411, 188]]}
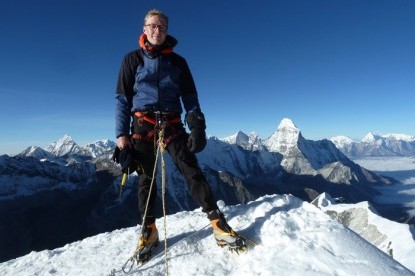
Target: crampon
{"points": [[147, 243], [236, 243], [140, 257]]}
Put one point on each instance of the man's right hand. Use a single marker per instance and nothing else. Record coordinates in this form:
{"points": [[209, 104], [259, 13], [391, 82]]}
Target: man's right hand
{"points": [[124, 142]]}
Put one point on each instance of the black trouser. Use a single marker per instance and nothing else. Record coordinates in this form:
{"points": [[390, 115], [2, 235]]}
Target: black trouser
{"points": [[185, 162]]}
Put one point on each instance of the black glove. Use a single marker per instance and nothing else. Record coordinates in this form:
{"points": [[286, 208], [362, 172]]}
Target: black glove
{"points": [[197, 138], [116, 155], [126, 159]]}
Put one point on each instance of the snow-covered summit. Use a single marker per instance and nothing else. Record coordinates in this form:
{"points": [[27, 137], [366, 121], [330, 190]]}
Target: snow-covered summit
{"points": [[237, 138], [370, 138], [284, 139], [100, 147], [341, 140], [295, 238], [64, 146], [286, 123], [248, 142], [36, 152], [302, 156]]}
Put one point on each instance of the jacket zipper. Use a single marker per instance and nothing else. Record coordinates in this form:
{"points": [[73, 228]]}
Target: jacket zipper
{"points": [[158, 83]]}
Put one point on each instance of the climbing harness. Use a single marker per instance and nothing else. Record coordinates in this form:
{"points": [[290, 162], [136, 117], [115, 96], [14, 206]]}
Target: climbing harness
{"points": [[151, 122]]}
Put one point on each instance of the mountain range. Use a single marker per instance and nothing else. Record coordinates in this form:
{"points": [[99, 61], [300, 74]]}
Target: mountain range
{"points": [[375, 145], [50, 197]]}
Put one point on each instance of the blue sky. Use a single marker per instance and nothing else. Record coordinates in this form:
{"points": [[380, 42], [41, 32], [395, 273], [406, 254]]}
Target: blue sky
{"points": [[333, 67]]}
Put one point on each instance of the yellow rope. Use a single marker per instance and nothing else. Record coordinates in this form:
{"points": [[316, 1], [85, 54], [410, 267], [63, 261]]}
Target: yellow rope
{"points": [[153, 177], [161, 147], [148, 201]]}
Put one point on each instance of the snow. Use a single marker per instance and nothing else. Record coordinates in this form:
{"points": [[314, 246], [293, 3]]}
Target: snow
{"points": [[341, 140], [376, 229], [248, 142], [63, 146], [286, 123], [295, 238], [370, 138], [402, 137]]}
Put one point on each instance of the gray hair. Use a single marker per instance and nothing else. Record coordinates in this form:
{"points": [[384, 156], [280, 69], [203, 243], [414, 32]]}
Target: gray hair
{"points": [[156, 12]]}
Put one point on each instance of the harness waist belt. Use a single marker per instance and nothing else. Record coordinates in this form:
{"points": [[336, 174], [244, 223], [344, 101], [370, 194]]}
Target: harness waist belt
{"points": [[148, 137], [171, 118]]}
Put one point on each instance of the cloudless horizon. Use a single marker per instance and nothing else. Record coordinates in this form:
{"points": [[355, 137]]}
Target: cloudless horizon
{"points": [[334, 67]]}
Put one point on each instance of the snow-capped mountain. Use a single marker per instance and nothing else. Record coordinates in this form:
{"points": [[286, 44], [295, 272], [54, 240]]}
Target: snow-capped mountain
{"points": [[68, 180], [100, 148], [302, 156], [285, 139], [295, 238], [66, 146], [375, 145], [36, 152], [248, 142]]}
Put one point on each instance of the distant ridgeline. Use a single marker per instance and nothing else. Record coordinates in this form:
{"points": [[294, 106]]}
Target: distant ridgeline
{"points": [[375, 145]]}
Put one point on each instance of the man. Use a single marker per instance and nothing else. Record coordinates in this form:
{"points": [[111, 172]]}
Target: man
{"points": [[152, 84]]}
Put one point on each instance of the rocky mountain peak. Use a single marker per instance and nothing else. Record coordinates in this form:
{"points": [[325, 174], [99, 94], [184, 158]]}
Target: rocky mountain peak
{"points": [[64, 146], [247, 142], [284, 139], [35, 151]]}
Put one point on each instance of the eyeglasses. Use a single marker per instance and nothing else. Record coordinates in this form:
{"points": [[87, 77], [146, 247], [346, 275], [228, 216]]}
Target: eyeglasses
{"points": [[153, 27]]}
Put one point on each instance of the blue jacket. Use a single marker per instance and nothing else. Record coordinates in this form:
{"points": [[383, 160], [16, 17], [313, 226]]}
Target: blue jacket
{"points": [[153, 81]]}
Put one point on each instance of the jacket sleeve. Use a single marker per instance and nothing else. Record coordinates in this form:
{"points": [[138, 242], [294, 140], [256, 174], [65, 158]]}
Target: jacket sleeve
{"points": [[188, 89], [124, 93]]}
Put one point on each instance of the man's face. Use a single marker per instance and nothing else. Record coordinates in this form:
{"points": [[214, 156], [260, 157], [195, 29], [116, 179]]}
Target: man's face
{"points": [[156, 30]]}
